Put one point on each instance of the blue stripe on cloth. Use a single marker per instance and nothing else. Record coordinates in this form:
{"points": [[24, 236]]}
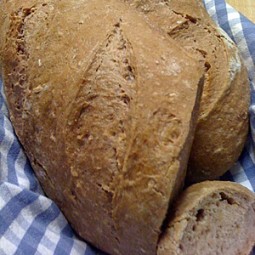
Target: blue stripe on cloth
{"points": [[33, 182], [12, 209], [249, 31], [2, 130], [90, 251], [248, 166], [93, 251], [65, 243], [3, 106], [227, 177], [34, 234], [12, 156], [2, 135], [1, 95], [252, 99], [210, 6], [11, 236], [50, 244], [6, 143], [11, 159], [222, 17]]}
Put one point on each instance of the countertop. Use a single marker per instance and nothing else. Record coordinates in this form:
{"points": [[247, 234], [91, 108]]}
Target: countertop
{"points": [[246, 7]]}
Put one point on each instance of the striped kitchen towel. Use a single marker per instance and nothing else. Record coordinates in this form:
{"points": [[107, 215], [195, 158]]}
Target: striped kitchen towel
{"points": [[30, 223]]}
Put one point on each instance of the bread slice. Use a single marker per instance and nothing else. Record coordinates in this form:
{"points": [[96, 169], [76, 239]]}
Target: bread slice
{"points": [[105, 115], [223, 121], [211, 218]]}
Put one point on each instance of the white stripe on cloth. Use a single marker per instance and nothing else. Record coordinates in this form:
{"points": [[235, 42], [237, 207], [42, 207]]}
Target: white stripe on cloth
{"points": [[251, 153], [4, 149], [78, 247], [6, 247], [211, 9], [22, 222], [252, 111], [239, 176], [237, 32], [4, 109], [51, 234], [20, 163], [6, 194]]}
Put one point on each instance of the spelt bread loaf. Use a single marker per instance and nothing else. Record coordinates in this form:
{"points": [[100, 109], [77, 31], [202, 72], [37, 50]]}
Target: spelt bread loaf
{"points": [[105, 107], [211, 218], [223, 120]]}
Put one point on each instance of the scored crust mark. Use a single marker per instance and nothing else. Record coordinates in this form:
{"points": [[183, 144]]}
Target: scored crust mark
{"points": [[225, 78], [186, 30], [189, 25], [100, 114], [169, 132], [98, 124], [107, 147]]}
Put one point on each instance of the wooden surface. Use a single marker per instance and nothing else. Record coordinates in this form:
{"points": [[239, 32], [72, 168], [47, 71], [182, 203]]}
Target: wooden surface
{"points": [[247, 7]]}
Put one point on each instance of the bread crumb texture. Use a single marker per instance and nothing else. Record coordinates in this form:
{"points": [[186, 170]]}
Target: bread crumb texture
{"points": [[212, 218]]}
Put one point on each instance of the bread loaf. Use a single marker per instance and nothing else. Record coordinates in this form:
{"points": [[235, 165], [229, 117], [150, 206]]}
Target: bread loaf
{"points": [[211, 218], [223, 119], [105, 108]]}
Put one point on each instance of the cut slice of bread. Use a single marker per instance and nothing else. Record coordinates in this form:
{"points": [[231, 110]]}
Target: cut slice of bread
{"points": [[211, 218]]}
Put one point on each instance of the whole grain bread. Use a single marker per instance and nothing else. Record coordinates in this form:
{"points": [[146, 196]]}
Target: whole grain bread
{"points": [[223, 121], [211, 218], [105, 107]]}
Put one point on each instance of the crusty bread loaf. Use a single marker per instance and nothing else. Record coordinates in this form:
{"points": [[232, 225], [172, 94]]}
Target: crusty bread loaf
{"points": [[223, 121], [211, 218], [105, 108]]}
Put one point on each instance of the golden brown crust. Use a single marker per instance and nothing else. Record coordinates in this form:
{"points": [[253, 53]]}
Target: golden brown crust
{"points": [[216, 217], [223, 123], [103, 114]]}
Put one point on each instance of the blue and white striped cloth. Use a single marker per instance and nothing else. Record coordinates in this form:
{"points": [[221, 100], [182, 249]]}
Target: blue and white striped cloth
{"points": [[30, 223]]}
